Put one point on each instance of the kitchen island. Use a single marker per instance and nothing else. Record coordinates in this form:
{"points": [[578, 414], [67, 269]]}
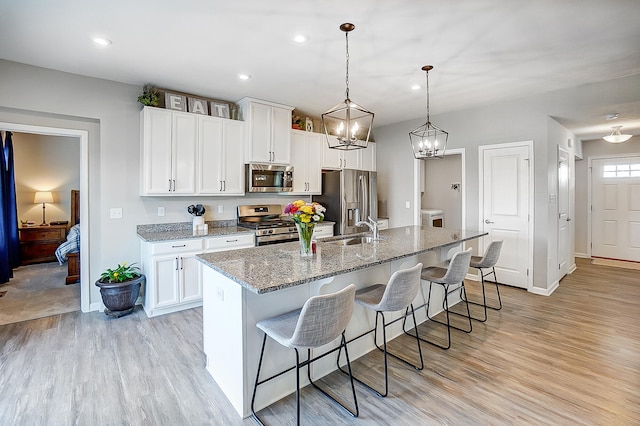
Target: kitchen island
{"points": [[242, 287]]}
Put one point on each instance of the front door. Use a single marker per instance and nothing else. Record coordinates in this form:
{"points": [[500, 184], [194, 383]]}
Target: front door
{"points": [[506, 208], [615, 200]]}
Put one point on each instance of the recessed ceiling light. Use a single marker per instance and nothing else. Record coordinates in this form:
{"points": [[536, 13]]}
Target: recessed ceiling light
{"points": [[101, 41], [415, 87], [301, 38], [244, 76], [612, 116]]}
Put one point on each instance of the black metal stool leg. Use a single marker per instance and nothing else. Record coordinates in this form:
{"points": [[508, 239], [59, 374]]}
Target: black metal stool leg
{"points": [[255, 387]]}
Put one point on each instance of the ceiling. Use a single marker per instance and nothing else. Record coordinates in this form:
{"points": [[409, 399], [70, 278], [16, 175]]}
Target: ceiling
{"points": [[483, 51]]}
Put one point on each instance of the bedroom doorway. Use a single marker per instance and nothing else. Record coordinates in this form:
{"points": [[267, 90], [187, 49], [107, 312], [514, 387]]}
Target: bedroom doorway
{"points": [[81, 137]]}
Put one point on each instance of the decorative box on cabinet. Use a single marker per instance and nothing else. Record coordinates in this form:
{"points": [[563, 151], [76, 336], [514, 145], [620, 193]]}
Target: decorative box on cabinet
{"points": [[268, 131], [168, 152], [174, 275], [39, 243], [306, 159]]}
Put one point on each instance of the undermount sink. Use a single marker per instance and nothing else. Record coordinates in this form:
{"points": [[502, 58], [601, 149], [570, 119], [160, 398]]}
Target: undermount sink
{"points": [[354, 241]]}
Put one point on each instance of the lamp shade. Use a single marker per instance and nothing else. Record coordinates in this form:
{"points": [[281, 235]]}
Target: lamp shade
{"points": [[43, 197], [616, 136]]}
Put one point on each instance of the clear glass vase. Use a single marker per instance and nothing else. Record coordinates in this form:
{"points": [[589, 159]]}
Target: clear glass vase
{"points": [[305, 232]]}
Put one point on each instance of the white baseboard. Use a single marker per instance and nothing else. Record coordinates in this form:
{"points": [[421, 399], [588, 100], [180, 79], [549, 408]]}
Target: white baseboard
{"points": [[545, 291], [582, 255]]}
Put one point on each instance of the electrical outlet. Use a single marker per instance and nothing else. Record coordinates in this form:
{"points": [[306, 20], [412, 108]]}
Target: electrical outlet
{"points": [[115, 213], [220, 209], [407, 204], [160, 211]]}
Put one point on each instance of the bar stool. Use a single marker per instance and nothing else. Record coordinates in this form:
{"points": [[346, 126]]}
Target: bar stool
{"points": [[320, 321], [452, 280], [488, 261], [396, 295]]}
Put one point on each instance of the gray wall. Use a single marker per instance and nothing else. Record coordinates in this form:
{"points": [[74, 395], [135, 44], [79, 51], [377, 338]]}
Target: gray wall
{"points": [[512, 121], [594, 148]]}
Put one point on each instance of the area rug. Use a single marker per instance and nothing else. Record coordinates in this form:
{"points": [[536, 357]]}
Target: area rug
{"points": [[38, 291]]}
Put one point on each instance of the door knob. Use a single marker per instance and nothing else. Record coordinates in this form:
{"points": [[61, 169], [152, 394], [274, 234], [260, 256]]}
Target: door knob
{"points": [[568, 219], [487, 221]]}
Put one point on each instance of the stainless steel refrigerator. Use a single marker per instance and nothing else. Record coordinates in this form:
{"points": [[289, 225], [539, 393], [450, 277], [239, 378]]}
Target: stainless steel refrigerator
{"points": [[349, 196]]}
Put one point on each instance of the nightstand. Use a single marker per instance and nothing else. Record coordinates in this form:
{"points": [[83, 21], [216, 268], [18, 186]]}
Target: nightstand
{"points": [[39, 243]]}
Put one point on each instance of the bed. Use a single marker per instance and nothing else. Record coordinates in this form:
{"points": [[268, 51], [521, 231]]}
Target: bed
{"points": [[69, 251]]}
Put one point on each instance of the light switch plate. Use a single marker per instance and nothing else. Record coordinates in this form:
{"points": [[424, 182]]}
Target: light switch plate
{"points": [[115, 213], [160, 211]]}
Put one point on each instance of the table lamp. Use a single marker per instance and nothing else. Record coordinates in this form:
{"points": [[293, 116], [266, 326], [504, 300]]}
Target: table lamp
{"points": [[43, 197]]}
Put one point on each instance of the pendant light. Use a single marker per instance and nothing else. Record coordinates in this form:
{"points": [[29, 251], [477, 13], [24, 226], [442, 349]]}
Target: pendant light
{"points": [[347, 125], [428, 141], [616, 136]]}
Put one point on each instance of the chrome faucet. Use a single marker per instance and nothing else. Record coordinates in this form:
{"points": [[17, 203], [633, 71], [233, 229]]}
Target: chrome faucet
{"points": [[372, 225]]}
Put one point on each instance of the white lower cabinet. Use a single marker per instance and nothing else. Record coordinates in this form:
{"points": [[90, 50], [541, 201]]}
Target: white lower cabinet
{"points": [[174, 275], [323, 230]]}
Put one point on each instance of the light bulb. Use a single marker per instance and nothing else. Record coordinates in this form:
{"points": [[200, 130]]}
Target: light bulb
{"points": [[340, 128], [354, 130]]}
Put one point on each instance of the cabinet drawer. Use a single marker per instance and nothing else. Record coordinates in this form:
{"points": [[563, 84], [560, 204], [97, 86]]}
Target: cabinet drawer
{"points": [[42, 234], [177, 246], [38, 251], [229, 242], [323, 231]]}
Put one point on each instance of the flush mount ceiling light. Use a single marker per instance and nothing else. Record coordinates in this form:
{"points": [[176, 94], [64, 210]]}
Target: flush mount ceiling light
{"points": [[301, 38], [616, 136], [102, 42], [244, 76], [347, 125], [428, 141]]}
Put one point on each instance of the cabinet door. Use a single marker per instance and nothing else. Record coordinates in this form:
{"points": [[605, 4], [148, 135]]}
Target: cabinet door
{"points": [[331, 158], [156, 177], [368, 157], [259, 133], [184, 152], [314, 163], [210, 150], [190, 278], [299, 162], [280, 135], [232, 158], [351, 159], [165, 284]]}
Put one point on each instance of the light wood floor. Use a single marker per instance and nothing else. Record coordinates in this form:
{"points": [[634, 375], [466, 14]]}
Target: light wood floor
{"points": [[571, 358]]}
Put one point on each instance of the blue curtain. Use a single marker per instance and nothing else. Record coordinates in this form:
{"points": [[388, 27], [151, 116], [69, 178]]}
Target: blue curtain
{"points": [[5, 269], [12, 210], [10, 246]]}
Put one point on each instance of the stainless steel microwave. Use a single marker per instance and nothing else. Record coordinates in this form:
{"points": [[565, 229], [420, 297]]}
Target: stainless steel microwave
{"points": [[269, 178]]}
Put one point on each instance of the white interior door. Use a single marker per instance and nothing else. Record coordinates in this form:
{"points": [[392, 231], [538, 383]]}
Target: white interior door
{"points": [[564, 219], [615, 204], [505, 209]]}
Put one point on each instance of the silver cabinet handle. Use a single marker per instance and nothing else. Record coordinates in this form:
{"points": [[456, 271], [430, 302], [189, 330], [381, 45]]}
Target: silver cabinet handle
{"points": [[232, 241], [169, 185], [181, 245], [174, 185], [487, 221], [176, 263], [181, 263]]}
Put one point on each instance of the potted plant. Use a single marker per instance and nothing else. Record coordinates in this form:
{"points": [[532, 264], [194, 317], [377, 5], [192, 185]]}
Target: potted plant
{"points": [[150, 95], [120, 288]]}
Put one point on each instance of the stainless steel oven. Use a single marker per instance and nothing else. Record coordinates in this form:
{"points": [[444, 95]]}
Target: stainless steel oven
{"points": [[269, 178], [267, 220]]}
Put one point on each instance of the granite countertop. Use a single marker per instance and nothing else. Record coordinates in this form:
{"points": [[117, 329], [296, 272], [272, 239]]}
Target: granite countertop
{"points": [[159, 233], [274, 267]]}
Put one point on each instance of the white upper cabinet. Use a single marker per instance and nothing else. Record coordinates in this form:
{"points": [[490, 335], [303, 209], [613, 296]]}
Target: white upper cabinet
{"points": [[368, 157], [306, 159], [339, 158], [168, 152], [190, 154], [220, 159], [268, 131]]}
